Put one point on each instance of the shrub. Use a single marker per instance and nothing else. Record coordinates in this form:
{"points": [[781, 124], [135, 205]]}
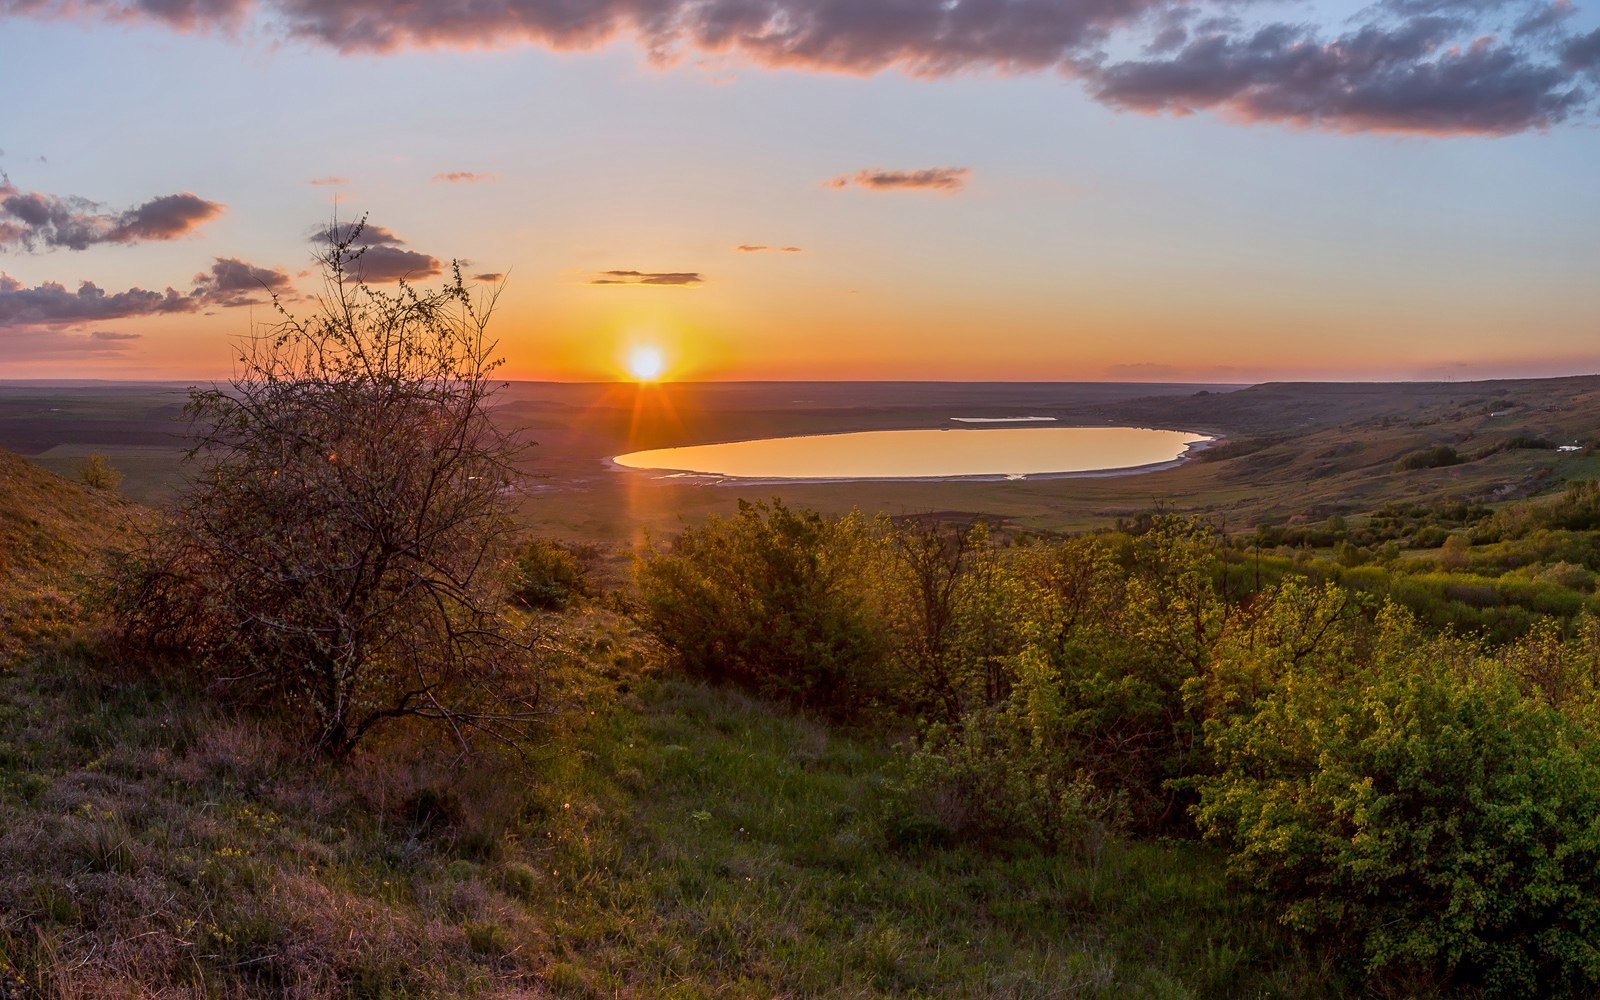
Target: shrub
{"points": [[98, 474], [1083, 724], [1453, 552], [1566, 576], [332, 551], [1422, 810], [1017, 771], [546, 575], [1429, 458], [1530, 442], [951, 615], [772, 600]]}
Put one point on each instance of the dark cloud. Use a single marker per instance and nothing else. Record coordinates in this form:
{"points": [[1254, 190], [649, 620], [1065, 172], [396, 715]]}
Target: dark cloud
{"points": [[234, 282], [1545, 17], [52, 304], [792, 250], [379, 256], [380, 264], [490, 276], [648, 278], [30, 220], [925, 37], [1406, 79], [1485, 66], [950, 179], [164, 218], [229, 282], [114, 335], [1583, 53], [360, 234], [751, 248], [462, 177]]}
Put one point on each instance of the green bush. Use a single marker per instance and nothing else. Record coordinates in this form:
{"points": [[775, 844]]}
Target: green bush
{"points": [[951, 608], [1566, 576], [1429, 458], [547, 575], [1085, 726], [772, 600], [1015, 772], [1530, 442], [1424, 812], [98, 474]]}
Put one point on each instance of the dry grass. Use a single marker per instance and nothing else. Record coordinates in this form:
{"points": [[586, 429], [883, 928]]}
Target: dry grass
{"points": [[54, 535], [153, 845]]}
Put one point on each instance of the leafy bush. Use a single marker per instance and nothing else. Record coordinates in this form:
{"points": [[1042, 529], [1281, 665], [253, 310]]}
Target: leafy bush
{"points": [[950, 609], [1429, 458], [1420, 808], [1566, 576], [1087, 721], [98, 474], [1530, 442], [546, 574], [770, 599], [1578, 509], [1015, 772]]}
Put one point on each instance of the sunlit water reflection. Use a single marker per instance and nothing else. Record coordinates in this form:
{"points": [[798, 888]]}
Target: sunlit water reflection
{"points": [[1010, 452]]}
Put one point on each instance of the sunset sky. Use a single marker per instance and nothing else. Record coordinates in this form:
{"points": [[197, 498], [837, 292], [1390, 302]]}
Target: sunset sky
{"points": [[817, 189]]}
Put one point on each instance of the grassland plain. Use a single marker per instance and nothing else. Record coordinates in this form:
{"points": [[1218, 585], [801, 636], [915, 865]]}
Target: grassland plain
{"points": [[1294, 449], [667, 839]]}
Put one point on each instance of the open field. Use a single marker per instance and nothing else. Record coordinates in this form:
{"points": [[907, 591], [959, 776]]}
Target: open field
{"points": [[1306, 449], [666, 836]]}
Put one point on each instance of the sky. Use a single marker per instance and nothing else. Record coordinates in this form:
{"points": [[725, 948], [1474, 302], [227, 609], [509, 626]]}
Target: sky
{"points": [[1032, 190]]}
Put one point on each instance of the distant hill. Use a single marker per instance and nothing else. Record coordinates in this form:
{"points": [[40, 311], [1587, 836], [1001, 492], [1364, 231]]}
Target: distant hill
{"points": [[1302, 407]]}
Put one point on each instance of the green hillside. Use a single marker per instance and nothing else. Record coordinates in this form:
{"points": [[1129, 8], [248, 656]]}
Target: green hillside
{"points": [[665, 838]]}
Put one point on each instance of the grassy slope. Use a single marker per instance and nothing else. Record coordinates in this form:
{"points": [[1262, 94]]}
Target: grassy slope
{"points": [[53, 533], [685, 842], [670, 840], [709, 845]]}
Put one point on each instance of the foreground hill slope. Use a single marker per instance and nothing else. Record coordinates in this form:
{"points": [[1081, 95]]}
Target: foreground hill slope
{"points": [[53, 535], [667, 839]]}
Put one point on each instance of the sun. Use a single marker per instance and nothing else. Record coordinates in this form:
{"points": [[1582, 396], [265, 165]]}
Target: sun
{"points": [[645, 364]]}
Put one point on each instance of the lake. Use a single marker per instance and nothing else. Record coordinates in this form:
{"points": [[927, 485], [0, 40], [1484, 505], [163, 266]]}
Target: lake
{"points": [[964, 453]]}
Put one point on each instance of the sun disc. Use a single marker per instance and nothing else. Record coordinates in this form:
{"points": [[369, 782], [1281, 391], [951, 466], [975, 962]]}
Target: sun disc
{"points": [[645, 364]]}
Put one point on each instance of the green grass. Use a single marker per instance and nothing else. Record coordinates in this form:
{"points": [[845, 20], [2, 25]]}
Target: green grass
{"points": [[699, 843], [672, 840]]}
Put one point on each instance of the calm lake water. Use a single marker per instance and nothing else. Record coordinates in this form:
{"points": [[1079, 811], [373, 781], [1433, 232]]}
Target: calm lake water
{"points": [[1009, 452]]}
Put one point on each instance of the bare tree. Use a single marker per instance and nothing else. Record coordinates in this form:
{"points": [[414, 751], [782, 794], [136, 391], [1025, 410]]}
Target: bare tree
{"points": [[338, 549]]}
